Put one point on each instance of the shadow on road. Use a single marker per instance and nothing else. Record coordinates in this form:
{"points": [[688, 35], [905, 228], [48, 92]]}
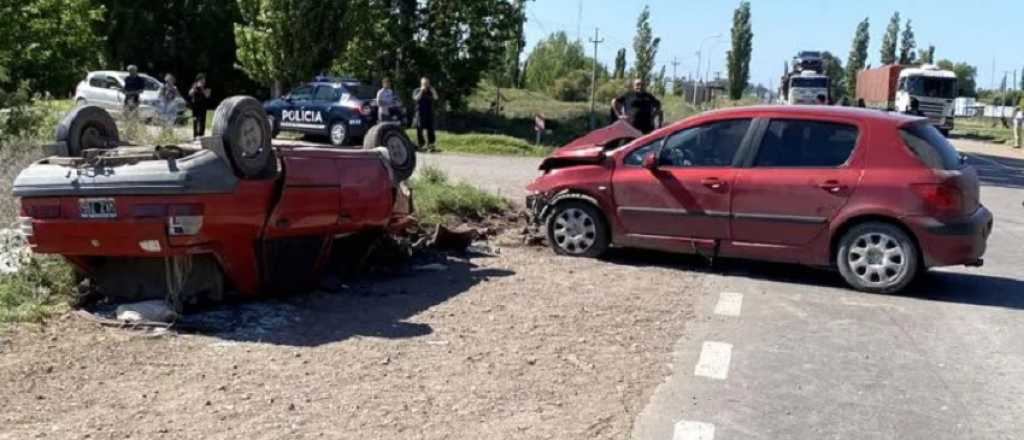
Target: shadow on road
{"points": [[998, 171], [963, 288], [373, 308]]}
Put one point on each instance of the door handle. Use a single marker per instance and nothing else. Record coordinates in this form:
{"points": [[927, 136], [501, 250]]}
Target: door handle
{"points": [[713, 183], [832, 186]]}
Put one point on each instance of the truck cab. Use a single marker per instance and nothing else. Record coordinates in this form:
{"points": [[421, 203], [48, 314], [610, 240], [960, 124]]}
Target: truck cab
{"points": [[934, 90], [806, 88]]}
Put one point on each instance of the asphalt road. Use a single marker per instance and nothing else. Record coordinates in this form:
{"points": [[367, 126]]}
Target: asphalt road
{"points": [[780, 352]]}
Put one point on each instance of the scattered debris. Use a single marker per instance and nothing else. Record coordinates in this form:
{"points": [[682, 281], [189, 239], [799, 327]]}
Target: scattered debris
{"points": [[445, 239], [146, 311]]}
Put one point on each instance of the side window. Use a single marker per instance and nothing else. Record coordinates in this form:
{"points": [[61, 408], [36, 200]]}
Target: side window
{"points": [[636, 158], [113, 83], [710, 145], [304, 93], [98, 82], [326, 94], [806, 144]]}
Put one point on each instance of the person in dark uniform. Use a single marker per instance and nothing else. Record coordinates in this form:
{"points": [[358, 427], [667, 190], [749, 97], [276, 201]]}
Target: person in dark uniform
{"points": [[425, 97], [133, 87], [200, 96], [638, 107]]}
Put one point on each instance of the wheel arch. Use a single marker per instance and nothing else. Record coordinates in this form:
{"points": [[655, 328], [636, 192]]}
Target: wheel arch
{"points": [[579, 196], [860, 219]]}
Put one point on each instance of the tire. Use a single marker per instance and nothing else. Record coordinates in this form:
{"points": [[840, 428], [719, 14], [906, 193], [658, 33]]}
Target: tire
{"points": [[578, 229], [275, 126], [337, 134], [87, 127], [878, 257], [401, 150], [241, 124]]}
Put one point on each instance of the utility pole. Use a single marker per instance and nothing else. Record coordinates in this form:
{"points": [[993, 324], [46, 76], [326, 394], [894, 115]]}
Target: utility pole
{"points": [[675, 79], [696, 79], [593, 80]]}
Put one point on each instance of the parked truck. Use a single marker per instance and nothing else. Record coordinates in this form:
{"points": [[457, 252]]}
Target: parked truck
{"points": [[926, 90]]}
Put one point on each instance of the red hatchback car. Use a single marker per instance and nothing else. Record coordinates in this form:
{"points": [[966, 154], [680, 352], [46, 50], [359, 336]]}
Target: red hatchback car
{"points": [[879, 196]]}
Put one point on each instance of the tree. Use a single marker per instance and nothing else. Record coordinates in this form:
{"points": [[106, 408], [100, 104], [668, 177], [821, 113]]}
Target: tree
{"points": [[660, 83], [288, 40], [965, 75], [508, 72], [926, 56], [552, 58], [907, 45], [620, 65], [858, 56], [48, 45], [889, 41], [678, 87], [739, 56], [833, 68], [645, 46]]}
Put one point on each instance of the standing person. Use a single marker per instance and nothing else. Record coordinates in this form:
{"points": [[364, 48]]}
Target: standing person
{"points": [[168, 95], [638, 107], [1018, 125], [387, 101], [200, 96], [133, 87], [425, 97]]}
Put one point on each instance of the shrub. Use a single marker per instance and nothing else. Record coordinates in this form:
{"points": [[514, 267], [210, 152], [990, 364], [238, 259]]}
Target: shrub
{"points": [[437, 201], [573, 87]]}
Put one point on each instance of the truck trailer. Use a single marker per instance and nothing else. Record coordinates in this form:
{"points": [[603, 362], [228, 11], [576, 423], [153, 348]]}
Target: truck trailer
{"points": [[926, 90]]}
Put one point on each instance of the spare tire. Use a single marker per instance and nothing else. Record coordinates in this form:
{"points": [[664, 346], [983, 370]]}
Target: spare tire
{"points": [[87, 127], [400, 148], [241, 124]]}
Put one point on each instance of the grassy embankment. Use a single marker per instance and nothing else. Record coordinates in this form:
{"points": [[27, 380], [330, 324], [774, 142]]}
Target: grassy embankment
{"points": [[984, 129], [439, 201]]}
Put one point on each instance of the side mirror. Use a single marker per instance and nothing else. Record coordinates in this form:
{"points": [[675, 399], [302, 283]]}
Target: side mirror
{"points": [[651, 161]]}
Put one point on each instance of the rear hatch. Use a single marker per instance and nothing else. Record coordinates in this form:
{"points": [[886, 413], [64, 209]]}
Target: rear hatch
{"points": [[957, 191]]}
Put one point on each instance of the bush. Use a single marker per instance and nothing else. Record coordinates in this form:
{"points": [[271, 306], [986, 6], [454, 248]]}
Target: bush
{"points": [[611, 90], [31, 286], [17, 116], [438, 201], [573, 87]]}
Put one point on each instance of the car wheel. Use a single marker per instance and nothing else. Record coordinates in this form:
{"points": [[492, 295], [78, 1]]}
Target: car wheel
{"points": [[338, 134], [401, 150], [577, 229], [241, 124], [88, 127], [878, 258]]}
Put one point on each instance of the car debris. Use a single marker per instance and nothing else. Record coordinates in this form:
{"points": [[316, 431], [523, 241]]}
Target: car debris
{"points": [[155, 311], [234, 213]]}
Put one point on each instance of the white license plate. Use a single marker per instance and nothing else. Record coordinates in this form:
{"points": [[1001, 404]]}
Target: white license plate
{"points": [[97, 208]]}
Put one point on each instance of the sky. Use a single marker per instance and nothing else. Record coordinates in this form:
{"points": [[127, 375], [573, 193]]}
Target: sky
{"points": [[978, 32]]}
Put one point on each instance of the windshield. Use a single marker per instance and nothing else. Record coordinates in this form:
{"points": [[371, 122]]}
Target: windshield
{"points": [[361, 91], [808, 83], [931, 87]]}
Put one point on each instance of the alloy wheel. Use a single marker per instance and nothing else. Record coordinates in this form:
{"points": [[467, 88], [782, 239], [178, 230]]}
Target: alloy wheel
{"points": [[877, 259], [575, 231]]}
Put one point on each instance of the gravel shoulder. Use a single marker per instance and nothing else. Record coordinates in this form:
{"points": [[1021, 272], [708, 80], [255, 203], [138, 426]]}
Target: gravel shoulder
{"points": [[506, 176], [520, 344]]}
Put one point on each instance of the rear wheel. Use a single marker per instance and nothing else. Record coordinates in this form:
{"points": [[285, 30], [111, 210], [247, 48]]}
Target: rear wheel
{"points": [[577, 229], [87, 127], [338, 134], [241, 124], [878, 258]]}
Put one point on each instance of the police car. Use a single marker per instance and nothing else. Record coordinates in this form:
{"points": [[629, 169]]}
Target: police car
{"points": [[341, 109]]}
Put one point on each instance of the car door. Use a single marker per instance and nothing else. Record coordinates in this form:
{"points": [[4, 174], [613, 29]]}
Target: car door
{"points": [[687, 193], [108, 92], [323, 98], [799, 177]]}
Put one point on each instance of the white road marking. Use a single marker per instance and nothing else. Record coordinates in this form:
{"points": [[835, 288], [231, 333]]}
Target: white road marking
{"points": [[686, 430], [714, 360], [729, 304]]}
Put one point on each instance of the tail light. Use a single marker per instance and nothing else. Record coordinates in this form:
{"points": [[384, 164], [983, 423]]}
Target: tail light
{"points": [[182, 219], [366, 109], [941, 199]]}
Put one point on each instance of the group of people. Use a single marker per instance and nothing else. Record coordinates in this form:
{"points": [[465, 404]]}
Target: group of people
{"points": [[389, 108], [168, 95]]}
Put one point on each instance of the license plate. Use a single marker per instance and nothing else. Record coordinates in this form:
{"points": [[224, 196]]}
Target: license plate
{"points": [[97, 208]]}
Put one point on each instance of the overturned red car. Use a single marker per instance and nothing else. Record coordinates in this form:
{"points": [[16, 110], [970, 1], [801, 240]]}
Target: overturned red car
{"points": [[881, 197], [232, 213]]}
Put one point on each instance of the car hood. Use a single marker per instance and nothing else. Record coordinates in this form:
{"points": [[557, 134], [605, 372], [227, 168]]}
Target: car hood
{"points": [[591, 147]]}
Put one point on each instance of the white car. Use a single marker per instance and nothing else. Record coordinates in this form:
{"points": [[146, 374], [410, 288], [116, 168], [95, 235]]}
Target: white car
{"points": [[106, 89]]}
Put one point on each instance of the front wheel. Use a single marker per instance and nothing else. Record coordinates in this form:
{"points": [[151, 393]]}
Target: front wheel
{"points": [[577, 229], [878, 258]]}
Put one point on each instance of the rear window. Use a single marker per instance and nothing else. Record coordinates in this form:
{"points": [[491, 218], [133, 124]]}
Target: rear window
{"points": [[361, 91], [929, 145]]}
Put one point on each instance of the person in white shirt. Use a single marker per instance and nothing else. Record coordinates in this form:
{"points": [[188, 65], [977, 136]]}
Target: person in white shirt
{"points": [[387, 101]]}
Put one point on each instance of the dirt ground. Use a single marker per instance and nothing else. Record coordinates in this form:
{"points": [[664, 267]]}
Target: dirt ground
{"points": [[513, 343]]}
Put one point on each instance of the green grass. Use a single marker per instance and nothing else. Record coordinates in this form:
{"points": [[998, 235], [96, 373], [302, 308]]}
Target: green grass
{"points": [[43, 286], [490, 144], [984, 129], [438, 201]]}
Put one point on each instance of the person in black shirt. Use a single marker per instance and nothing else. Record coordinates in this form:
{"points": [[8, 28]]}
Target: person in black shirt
{"points": [[133, 87], [425, 97], [638, 107], [200, 96]]}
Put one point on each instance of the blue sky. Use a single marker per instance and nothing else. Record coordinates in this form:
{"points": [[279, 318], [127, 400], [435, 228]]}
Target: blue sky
{"points": [[974, 31]]}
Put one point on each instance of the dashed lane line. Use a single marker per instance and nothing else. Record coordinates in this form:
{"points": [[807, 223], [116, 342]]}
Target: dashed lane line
{"points": [[729, 304], [687, 430], [714, 360]]}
